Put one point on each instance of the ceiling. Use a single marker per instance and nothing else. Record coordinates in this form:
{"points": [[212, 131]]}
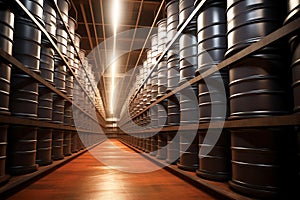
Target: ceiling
{"points": [[94, 25]]}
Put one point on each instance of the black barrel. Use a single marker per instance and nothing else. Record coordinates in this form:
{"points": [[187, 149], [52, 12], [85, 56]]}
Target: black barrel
{"points": [[214, 155], [173, 110], [153, 145], [258, 78], [24, 96], [57, 145], [74, 146], [249, 21], [45, 103], [27, 43], [44, 147], [62, 40], [64, 7], [262, 167], [293, 8], [58, 109], [161, 35], [21, 150], [154, 85], [35, 7], [69, 85], [298, 154], [189, 149], [162, 78], [294, 43], [3, 154], [186, 7], [67, 143], [47, 62], [173, 151], [162, 136], [6, 44], [68, 114], [187, 56], [172, 9], [60, 73], [188, 139], [49, 17]]}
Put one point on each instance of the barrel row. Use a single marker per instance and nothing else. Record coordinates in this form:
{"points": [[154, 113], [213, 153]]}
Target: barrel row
{"points": [[255, 162], [23, 149]]}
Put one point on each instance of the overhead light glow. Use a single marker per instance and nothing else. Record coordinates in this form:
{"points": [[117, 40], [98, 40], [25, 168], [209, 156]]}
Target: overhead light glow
{"points": [[115, 17]]}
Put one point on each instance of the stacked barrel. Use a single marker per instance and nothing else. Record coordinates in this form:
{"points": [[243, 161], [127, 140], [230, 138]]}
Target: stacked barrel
{"points": [[214, 144], [255, 161], [259, 166], [162, 86], [24, 89], [172, 9], [24, 148], [188, 102], [6, 43], [45, 103], [293, 8]]}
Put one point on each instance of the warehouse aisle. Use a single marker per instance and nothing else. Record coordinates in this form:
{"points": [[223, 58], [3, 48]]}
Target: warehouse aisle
{"points": [[86, 178]]}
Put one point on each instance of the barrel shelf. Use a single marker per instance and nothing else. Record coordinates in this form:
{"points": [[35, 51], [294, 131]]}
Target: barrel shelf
{"points": [[48, 37], [10, 59], [277, 35], [273, 121], [11, 120]]}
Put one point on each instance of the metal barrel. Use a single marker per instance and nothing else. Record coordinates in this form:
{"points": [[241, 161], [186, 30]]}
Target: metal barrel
{"points": [[189, 149], [67, 143], [250, 21], [4, 177], [173, 151], [64, 7], [214, 155], [161, 35], [58, 109], [258, 78], [21, 150], [186, 8], [47, 62], [24, 96], [260, 166], [293, 10], [57, 145], [45, 103], [187, 56], [60, 72], [35, 7], [44, 147], [27, 43], [6, 44], [49, 17]]}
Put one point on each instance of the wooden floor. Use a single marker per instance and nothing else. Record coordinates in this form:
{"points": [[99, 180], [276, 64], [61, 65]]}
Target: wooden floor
{"points": [[86, 178]]}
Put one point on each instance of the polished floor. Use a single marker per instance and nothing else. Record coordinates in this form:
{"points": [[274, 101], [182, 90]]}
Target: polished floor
{"points": [[110, 171]]}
